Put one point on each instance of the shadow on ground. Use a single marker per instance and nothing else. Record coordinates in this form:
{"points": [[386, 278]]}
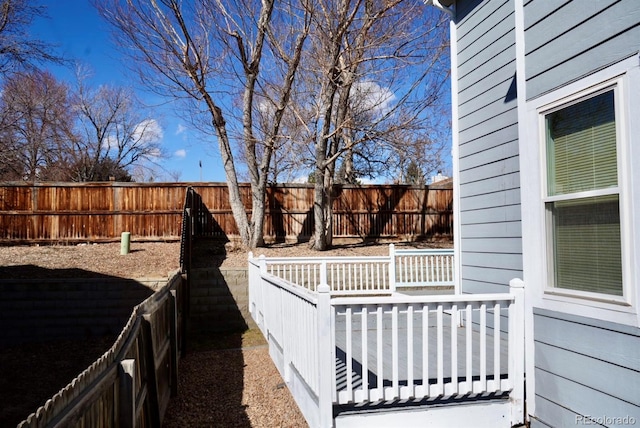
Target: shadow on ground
{"points": [[32, 373], [212, 382], [211, 373], [55, 324]]}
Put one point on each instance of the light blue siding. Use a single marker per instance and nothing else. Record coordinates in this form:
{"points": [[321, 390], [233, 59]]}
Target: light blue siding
{"points": [[568, 40], [502, 136], [490, 247], [484, 92], [503, 118], [582, 366], [585, 367], [495, 245]]}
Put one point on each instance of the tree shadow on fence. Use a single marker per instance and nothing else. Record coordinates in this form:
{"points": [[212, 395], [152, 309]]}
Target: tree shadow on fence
{"points": [[377, 221]]}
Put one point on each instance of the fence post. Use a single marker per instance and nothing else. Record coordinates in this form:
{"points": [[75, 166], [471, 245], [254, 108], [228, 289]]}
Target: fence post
{"points": [[151, 374], [127, 394], [517, 351], [173, 337], [392, 268], [325, 356]]}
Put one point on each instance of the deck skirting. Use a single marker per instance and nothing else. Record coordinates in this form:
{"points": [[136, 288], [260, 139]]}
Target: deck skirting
{"points": [[491, 413]]}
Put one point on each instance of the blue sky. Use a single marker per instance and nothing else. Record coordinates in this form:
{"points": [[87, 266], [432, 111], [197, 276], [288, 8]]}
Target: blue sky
{"points": [[81, 35]]}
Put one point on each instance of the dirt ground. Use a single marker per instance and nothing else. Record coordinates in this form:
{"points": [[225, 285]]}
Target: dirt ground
{"points": [[30, 374], [159, 259]]}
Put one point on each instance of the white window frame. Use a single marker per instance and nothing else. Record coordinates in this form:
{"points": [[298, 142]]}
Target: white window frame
{"points": [[537, 247], [615, 86]]}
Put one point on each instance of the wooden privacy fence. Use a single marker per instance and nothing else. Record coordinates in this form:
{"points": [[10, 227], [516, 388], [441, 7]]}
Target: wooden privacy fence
{"points": [[95, 212], [130, 385]]}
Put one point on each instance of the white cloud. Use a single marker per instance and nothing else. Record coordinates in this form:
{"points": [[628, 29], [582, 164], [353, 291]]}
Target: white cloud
{"points": [[181, 128], [366, 180], [182, 153], [371, 96], [148, 131]]}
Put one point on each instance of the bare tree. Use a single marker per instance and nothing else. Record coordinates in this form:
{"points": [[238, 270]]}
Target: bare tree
{"points": [[18, 50], [337, 78], [113, 134], [211, 54], [36, 127], [375, 67]]}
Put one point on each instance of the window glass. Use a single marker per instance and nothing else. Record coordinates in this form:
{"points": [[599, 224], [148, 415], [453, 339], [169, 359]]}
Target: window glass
{"points": [[581, 146], [586, 235], [585, 229]]}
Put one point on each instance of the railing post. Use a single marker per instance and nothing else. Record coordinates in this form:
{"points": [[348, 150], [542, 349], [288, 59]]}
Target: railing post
{"points": [[325, 357], [392, 268], [324, 274], [263, 263], [251, 277], [263, 269], [517, 351]]}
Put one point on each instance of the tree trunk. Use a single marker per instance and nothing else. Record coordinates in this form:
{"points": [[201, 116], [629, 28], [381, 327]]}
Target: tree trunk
{"points": [[235, 199], [323, 211], [257, 214], [319, 203]]}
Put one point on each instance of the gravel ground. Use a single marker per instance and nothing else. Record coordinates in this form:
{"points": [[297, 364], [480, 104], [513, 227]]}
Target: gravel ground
{"points": [[157, 259], [232, 388], [227, 382]]}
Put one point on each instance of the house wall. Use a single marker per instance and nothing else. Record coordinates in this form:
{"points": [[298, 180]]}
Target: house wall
{"points": [[566, 40], [582, 366], [585, 367], [488, 200]]}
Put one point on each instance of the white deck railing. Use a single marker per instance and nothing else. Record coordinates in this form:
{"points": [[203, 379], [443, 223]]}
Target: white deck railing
{"points": [[388, 348], [373, 275]]}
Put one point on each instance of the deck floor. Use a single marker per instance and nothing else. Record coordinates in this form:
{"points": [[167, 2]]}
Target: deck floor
{"points": [[403, 351]]}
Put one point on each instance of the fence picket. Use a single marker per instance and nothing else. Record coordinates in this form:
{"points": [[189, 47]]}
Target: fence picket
{"points": [[379, 355], [349, 352], [410, 383], [395, 381], [365, 354]]}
